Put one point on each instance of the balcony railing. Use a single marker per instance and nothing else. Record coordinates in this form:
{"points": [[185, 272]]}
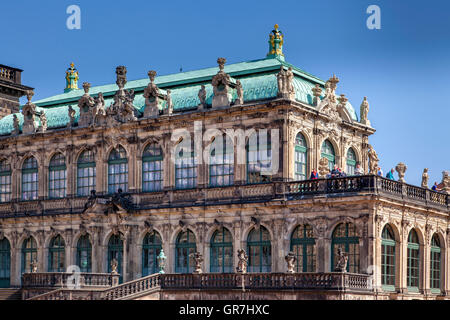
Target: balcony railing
{"points": [[63, 279], [7, 74], [268, 281], [352, 185]]}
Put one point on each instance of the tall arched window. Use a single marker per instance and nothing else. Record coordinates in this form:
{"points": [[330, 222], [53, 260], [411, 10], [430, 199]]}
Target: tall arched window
{"points": [[84, 254], [56, 255], [328, 152], [5, 263], [117, 170], [303, 246], [435, 265], [185, 167], [29, 254], [413, 263], [86, 171], [57, 176], [301, 157], [351, 162], [388, 259], [221, 163], [221, 251], [30, 179], [151, 247], [259, 157], [115, 251], [185, 248], [5, 181], [152, 168], [259, 250], [346, 239]]}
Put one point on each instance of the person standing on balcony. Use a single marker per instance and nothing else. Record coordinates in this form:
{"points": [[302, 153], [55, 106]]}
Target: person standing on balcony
{"points": [[314, 175], [335, 172], [435, 187], [358, 169], [380, 172], [390, 174]]}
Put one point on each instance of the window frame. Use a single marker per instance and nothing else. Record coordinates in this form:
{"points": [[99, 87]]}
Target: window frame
{"points": [[300, 150]]}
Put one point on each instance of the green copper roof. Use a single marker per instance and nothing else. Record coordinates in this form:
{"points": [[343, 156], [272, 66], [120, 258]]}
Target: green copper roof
{"points": [[258, 80]]}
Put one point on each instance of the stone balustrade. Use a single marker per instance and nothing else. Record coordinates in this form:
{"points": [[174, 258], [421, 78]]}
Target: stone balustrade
{"points": [[61, 279], [7, 74], [352, 185], [132, 288]]}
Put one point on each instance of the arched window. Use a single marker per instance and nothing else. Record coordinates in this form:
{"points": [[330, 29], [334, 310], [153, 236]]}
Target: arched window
{"points": [[221, 163], [29, 254], [259, 250], [221, 251], [86, 171], [435, 265], [413, 264], [301, 157], [151, 247], [56, 255], [388, 259], [184, 252], [115, 251], [152, 168], [328, 152], [84, 254], [303, 246], [57, 176], [351, 162], [185, 167], [5, 181], [30, 179], [259, 157], [346, 238], [117, 170], [5, 263]]}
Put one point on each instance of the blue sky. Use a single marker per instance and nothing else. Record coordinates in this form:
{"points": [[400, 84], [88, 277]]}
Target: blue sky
{"points": [[403, 69]]}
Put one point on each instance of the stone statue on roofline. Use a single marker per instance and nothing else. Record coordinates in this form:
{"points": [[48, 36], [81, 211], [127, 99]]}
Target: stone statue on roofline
{"points": [[43, 119], [240, 93], [16, 126], [29, 115], [222, 85], [99, 111], [424, 183], [285, 81], [445, 184], [85, 103], [364, 110], [122, 109], [152, 97], [202, 98], [71, 113], [169, 108]]}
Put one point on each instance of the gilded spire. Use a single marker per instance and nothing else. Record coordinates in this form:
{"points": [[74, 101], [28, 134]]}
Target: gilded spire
{"points": [[71, 78], [276, 44]]}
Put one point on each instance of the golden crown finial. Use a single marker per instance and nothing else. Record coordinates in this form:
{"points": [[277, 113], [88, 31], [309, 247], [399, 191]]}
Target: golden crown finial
{"points": [[276, 26], [72, 65]]}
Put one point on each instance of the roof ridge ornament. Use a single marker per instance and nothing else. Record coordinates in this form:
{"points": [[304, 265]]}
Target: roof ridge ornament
{"points": [[71, 78], [222, 86], [29, 114], [285, 80], [276, 40]]}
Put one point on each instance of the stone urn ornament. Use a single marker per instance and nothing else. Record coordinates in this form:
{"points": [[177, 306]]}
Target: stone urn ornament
{"points": [[401, 169], [243, 261], [290, 260], [161, 261]]}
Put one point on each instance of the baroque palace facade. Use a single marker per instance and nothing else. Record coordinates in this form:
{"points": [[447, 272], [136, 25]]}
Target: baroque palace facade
{"points": [[116, 173]]}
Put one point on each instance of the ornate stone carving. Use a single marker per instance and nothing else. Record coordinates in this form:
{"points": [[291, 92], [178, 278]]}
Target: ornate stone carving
{"points": [[161, 261], [99, 110], [341, 265], [221, 83], [285, 81], [290, 261], [401, 169], [114, 265], [373, 160], [424, 183], [445, 184], [169, 108], [122, 109], [16, 126], [202, 97], [34, 266], [29, 114], [243, 261], [323, 167], [198, 258], [364, 110]]}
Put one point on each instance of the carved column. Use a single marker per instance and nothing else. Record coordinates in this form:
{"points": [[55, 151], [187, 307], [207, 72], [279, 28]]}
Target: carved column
{"points": [[132, 186], [169, 165], [101, 164]]}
